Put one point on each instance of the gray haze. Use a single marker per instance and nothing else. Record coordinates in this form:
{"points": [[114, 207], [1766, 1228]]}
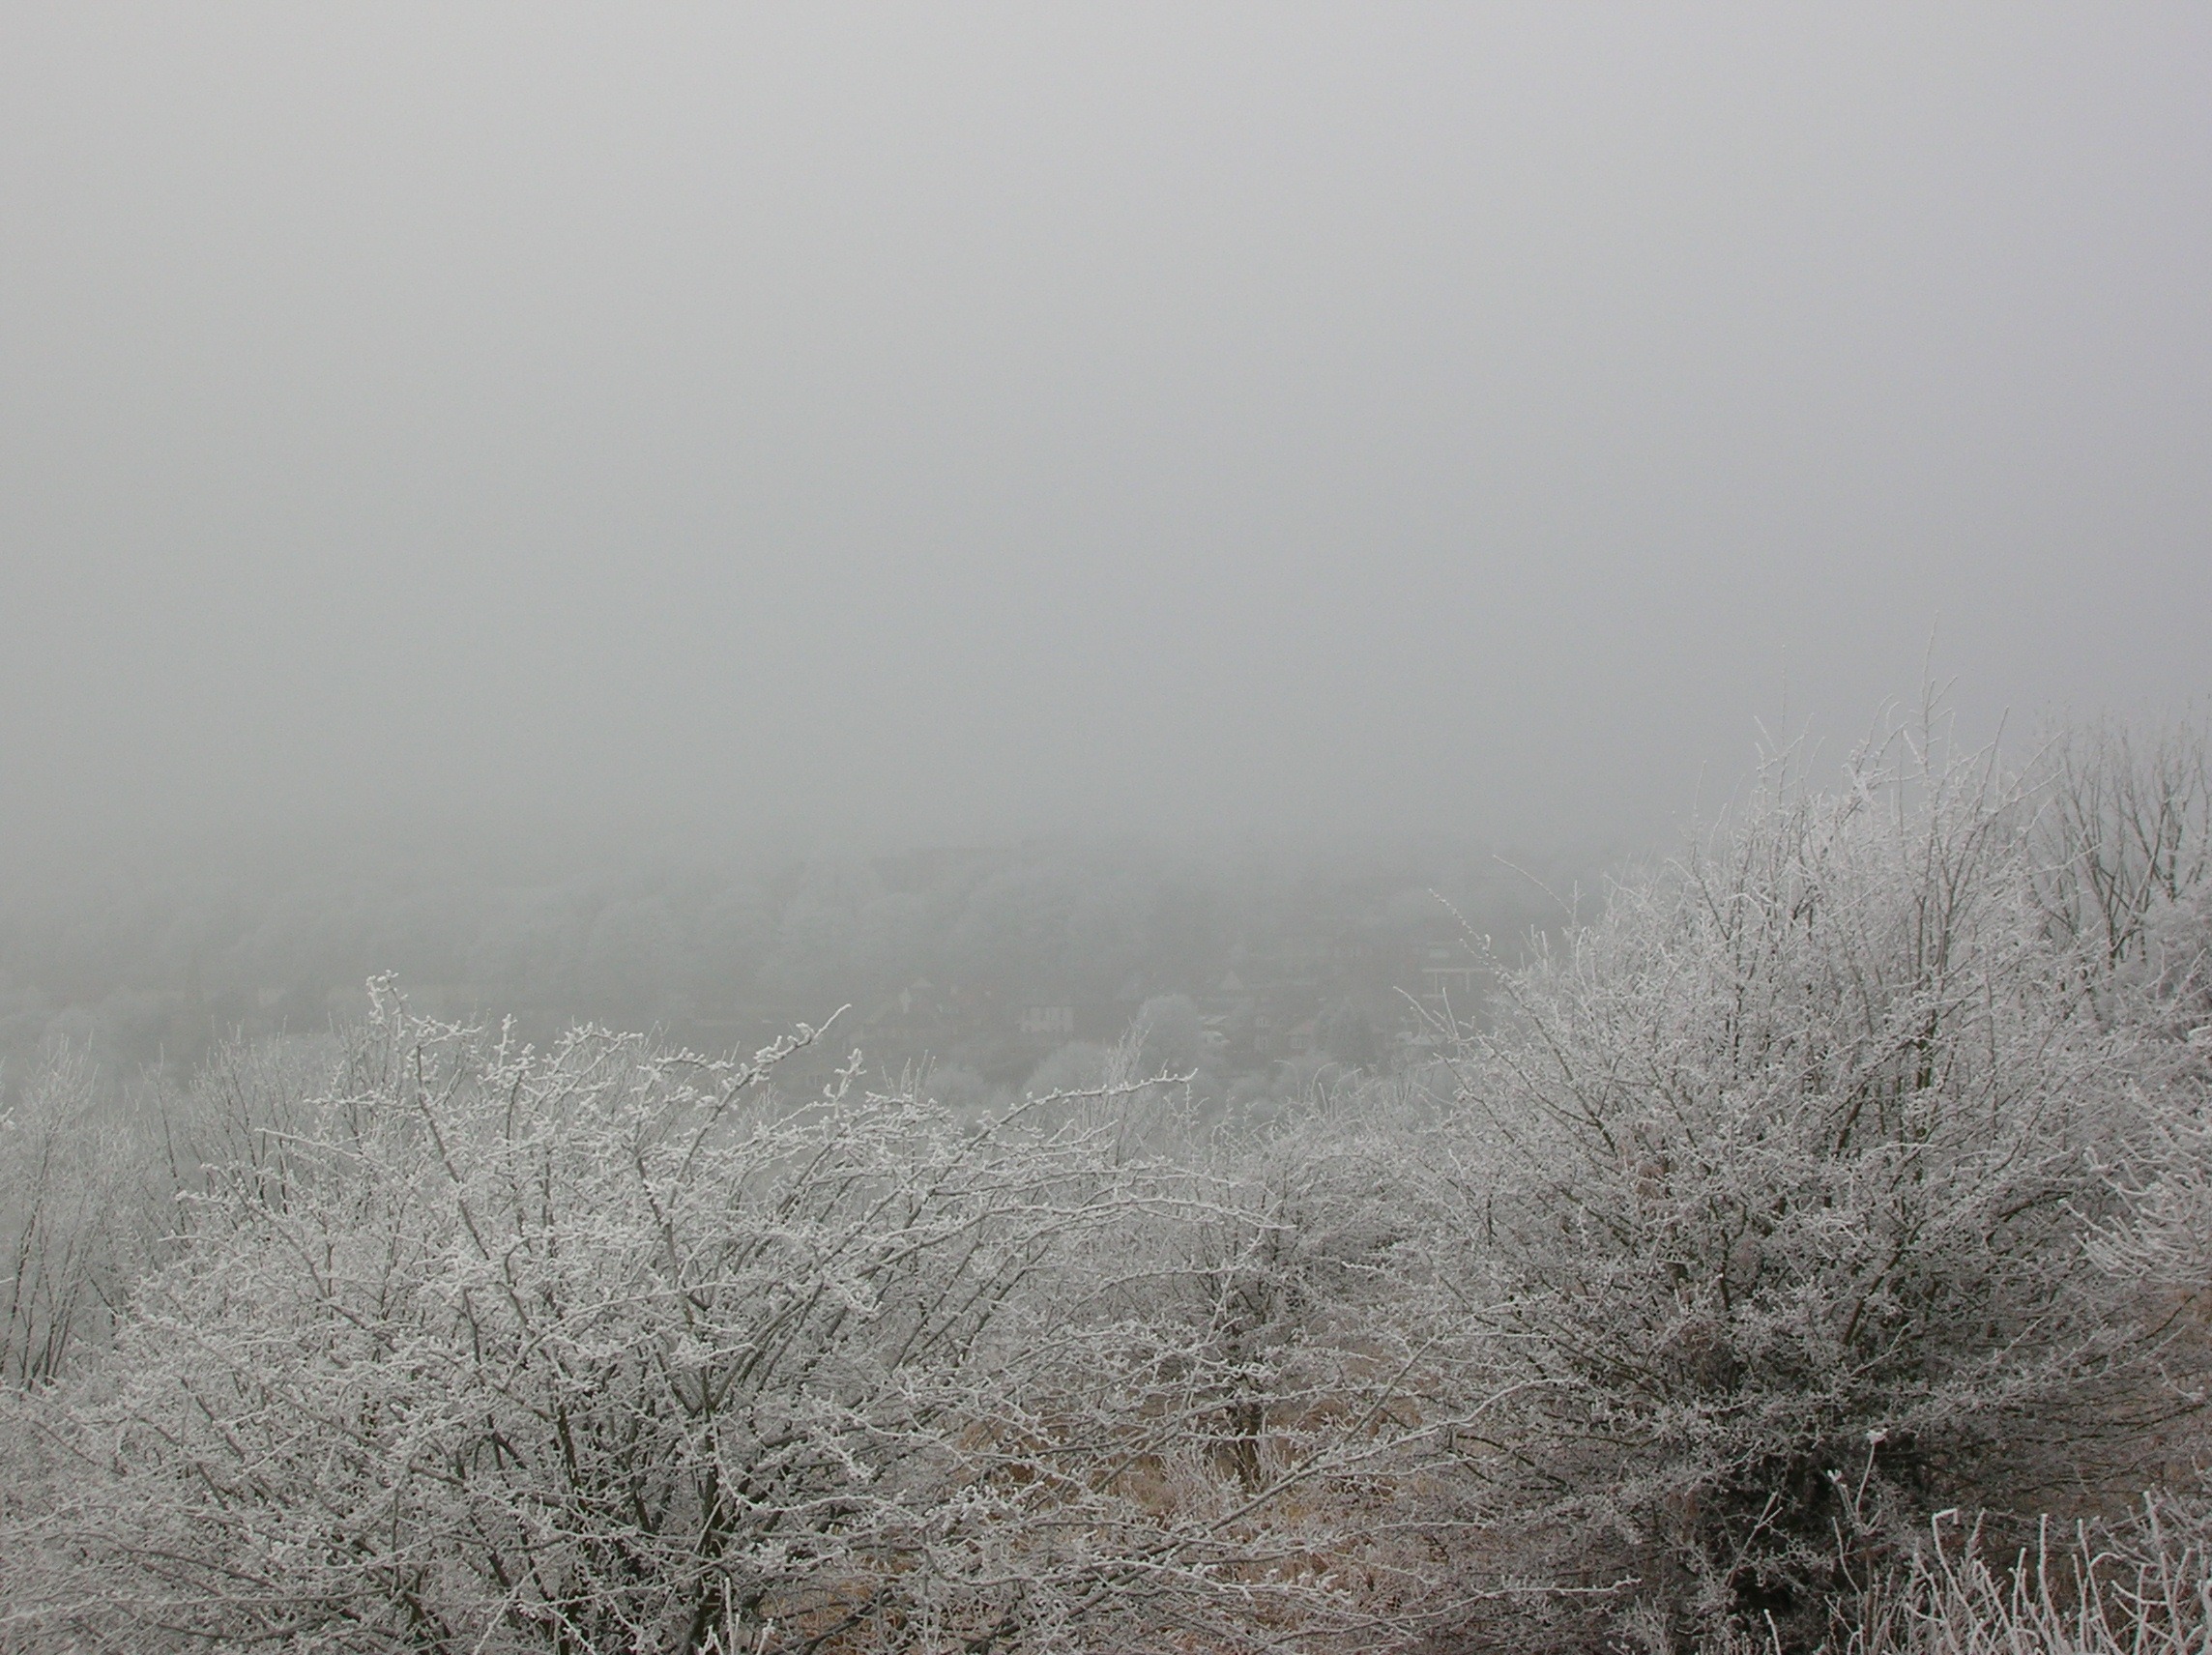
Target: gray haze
{"points": [[927, 423]]}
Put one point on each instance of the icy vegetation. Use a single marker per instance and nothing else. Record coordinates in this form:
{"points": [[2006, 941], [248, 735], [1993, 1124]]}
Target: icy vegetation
{"points": [[1806, 1247]]}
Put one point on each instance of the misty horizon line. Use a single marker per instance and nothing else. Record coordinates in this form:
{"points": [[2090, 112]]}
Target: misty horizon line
{"points": [[390, 839]]}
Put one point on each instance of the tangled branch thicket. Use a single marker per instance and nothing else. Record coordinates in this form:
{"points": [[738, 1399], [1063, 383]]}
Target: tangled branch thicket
{"points": [[1847, 1174]]}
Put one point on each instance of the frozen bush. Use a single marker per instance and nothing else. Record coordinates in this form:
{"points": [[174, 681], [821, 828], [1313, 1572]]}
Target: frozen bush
{"points": [[607, 1347], [1792, 1153]]}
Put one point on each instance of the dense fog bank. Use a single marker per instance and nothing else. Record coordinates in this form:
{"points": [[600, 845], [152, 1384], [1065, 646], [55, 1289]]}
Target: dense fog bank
{"points": [[959, 425]]}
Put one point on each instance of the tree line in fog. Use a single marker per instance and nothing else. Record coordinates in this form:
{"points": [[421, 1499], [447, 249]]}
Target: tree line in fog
{"points": [[978, 959]]}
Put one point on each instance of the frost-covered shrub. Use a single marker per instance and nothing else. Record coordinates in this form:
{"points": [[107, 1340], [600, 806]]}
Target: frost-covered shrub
{"points": [[608, 1348], [78, 1217], [2121, 848], [1776, 1181]]}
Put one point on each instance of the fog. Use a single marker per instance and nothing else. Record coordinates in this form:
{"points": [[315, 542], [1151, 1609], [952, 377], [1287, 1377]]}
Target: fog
{"points": [[877, 428]]}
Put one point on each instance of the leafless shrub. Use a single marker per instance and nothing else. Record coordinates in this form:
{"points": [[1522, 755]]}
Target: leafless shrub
{"points": [[610, 1347], [1794, 1151], [2122, 841], [77, 1215]]}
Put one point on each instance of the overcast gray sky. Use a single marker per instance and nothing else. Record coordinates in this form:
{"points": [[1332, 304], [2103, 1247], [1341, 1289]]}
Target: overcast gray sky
{"points": [[933, 422]]}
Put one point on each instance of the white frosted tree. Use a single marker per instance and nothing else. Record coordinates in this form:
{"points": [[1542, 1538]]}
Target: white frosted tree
{"points": [[80, 1215], [1776, 1184], [610, 1349]]}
